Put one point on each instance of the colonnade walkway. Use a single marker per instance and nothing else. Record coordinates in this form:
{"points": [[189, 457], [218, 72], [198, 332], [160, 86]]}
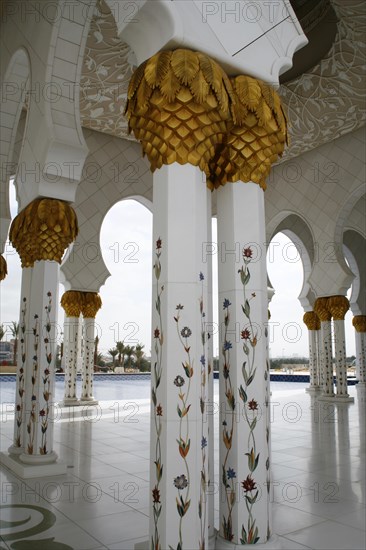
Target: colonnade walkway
{"points": [[318, 466]]}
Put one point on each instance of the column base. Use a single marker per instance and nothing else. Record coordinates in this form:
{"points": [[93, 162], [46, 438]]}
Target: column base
{"points": [[35, 460], [13, 450], [329, 398], [344, 399], [88, 401], [27, 471], [272, 544], [313, 389], [69, 402]]}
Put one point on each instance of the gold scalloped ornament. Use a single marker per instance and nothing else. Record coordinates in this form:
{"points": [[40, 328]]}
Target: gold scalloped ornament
{"points": [[43, 230]]}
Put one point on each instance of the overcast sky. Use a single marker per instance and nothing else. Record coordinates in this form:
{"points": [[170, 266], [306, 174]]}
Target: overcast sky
{"points": [[126, 241]]}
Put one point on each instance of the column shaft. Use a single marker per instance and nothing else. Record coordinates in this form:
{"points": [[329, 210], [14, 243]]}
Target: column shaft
{"points": [[87, 377], [179, 427], [210, 376], [39, 363], [327, 359], [20, 388], [243, 309], [340, 358], [318, 358], [361, 355], [71, 339], [313, 360]]}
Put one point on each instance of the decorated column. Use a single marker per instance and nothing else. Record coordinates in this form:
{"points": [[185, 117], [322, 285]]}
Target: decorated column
{"points": [[211, 408], [238, 171], [338, 307], [178, 105], [40, 234], [71, 301], [91, 304], [312, 322], [327, 384], [359, 322], [17, 447]]}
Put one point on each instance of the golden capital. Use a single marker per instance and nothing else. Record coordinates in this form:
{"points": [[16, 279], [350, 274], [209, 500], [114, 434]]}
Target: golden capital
{"points": [[43, 230], [72, 302], [359, 322], [3, 268], [321, 309], [255, 138], [311, 320], [338, 307], [91, 304], [178, 103]]}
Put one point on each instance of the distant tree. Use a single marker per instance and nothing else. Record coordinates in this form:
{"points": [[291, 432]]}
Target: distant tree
{"points": [[15, 333], [100, 361], [2, 332], [145, 365], [139, 354], [130, 351], [113, 352], [121, 353]]}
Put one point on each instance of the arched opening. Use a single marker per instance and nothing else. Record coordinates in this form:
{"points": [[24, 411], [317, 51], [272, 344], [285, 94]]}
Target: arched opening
{"points": [[126, 247], [288, 335]]}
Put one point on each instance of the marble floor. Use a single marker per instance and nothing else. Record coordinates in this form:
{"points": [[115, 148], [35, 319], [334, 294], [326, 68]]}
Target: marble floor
{"points": [[102, 502]]}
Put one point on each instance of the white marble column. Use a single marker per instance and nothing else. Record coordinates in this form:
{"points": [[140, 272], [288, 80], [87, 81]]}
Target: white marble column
{"points": [[36, 434], [90, 306], [71, 301], [338, 307], [322, 311], [211, 409], [359, 322], [312, 322], [80, 346], [243, 307], [24, 334], [71, 329], [179, 451], [318, 358], [40, 233], [87, 376]]}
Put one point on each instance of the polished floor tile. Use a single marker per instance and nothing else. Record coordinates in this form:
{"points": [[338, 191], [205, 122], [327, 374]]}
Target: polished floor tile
{"points": [[318, 490]]}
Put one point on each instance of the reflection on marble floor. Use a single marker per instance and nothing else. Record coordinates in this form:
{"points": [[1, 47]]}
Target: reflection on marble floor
{"points": [[318, 464]]}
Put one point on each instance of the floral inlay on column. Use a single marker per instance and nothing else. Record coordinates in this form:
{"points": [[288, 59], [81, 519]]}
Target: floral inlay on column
{"points": [[158, 410], [202, 509], [45, 411], [182, 481], [31, 425], [228, 474], [249, 337], [21, 378]]}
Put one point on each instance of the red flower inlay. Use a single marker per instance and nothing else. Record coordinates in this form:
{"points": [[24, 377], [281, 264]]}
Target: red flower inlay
{"points": [[248, 484], [253, 405], [156, 494]]}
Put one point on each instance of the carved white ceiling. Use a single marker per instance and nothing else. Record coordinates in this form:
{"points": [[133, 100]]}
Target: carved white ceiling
{"points": [[322, 104]]}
